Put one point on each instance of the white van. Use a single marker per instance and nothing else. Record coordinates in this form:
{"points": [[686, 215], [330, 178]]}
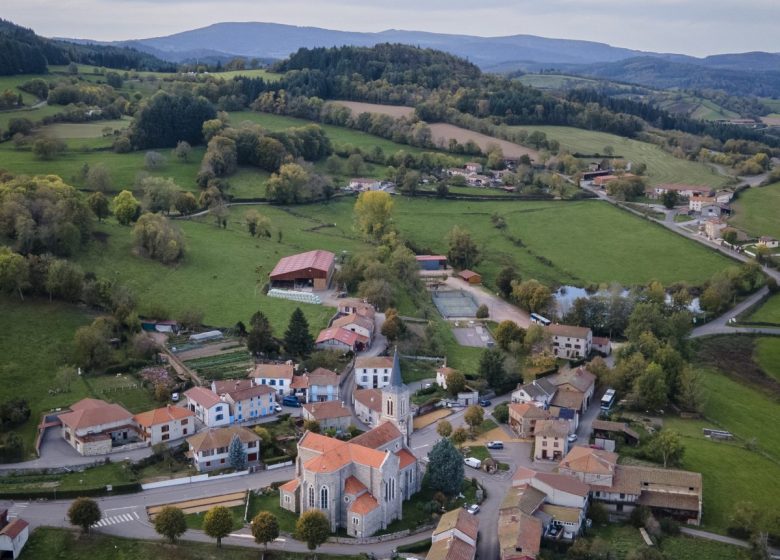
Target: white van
{"points": [[473, 462]]}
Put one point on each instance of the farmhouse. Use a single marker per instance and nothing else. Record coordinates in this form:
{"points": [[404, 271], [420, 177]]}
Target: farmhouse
{"points": [[578, 381], [360, 324], [696, 202], [455, 537], [523, 418], [310, 270], [373, 371], [768, 242], [210, 449], [569, 342], [550, 439], [95, 427], [602, 345], [329, 414], [686, 191], [470, 277], [431, 262], [208, 407], [363, 184], [337, 338], [318, 386], [714, 227], [277, 376], [539, 391], [168, 423], [473, 167], [13, 535], [247, 401]]}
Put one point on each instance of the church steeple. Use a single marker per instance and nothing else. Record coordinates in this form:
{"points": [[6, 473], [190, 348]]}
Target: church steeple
{"points": [[395, 375]]}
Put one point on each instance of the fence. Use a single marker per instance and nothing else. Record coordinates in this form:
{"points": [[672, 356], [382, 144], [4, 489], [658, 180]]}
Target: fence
{"points": [[279, 466], [382, 538], [190, 479]]}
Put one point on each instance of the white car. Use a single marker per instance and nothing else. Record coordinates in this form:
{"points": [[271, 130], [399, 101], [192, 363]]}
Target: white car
{"points": [[277, 407], [175, 397], [572, 438], [473, 509]]}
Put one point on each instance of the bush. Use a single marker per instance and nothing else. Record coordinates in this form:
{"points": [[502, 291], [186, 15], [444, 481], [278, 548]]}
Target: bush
{"points": [[14, 412], [483, 312], [501, 413], [669, 526]]}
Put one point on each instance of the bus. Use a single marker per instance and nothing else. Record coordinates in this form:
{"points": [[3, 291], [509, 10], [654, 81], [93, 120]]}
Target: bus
{"points": [[608, 400], [539, 320]]}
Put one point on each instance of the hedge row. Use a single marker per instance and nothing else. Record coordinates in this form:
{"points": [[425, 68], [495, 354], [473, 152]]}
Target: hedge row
{"points": [[54, 494]]}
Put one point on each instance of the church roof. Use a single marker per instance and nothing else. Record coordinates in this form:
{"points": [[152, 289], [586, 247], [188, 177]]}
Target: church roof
{"points": [[379, 436], [395, 375]]}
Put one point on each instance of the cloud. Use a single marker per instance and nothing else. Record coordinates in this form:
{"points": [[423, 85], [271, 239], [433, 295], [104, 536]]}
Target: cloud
{"points": [[690, 26]]}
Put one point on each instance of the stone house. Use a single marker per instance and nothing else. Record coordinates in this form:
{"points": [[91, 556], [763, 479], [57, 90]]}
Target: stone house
{"points": [[329, 414], [570, 342], [578, 380], [340, 339], [368, 405], [523, 418], [208, 407], [318, 386], [539, 391], [166, 424], [373, 372], [95, 427], [455, 537], [209, 448], [364, 326], [277, 376], [550, 439]]}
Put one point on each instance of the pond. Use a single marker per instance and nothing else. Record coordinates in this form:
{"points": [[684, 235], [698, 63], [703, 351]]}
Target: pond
{"points": [[565, 297]]}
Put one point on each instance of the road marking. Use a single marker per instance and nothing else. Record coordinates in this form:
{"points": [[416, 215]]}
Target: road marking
{"points": [[119, 509], [117, 519], [136, 516]]}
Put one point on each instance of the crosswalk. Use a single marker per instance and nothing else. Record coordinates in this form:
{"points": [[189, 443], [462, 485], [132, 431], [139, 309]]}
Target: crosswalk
{"points": [[17, 509], [116, 519]]}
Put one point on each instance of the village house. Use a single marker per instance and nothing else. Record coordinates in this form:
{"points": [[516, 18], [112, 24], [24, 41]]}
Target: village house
{"points": [[455, 537], [246, 400], [622, 488], [570, 342], [714, 227], [768, 242], [209, 449], [441, 375], [208, 407], [277, 376], [318, 386], [329, 415], [473, 167], [363, 184], [360, 324], [373, 372], [166, 424], [723, 197], [349, 306], [343, 340], [683, 190], [95, 427], [602, 345], [539, 391], [523, 418], [578, 381], [13, 536], [368, 405], [696, 202], [550, 439]]}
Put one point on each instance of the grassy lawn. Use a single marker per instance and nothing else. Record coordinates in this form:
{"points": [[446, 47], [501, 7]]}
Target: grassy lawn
{"points": [[270, 502], [417, 370], [767, 355], [84, 130], [195, 520], [95, 477], [662, 167], [123, 388], [682, 218], [29, 113], [640, 253], [63, 544], [756, 211], [769, 312], [479, 452], [415, 512]]}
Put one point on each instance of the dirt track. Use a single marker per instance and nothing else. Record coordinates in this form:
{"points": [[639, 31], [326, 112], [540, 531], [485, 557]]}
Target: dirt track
{"points": [[442, 133], [395, 111]]}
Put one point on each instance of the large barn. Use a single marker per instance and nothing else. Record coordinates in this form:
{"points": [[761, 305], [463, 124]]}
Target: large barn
{"points": [[313, 269]]}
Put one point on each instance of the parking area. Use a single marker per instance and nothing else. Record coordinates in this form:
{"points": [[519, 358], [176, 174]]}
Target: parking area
{"points": [[476, 336]]}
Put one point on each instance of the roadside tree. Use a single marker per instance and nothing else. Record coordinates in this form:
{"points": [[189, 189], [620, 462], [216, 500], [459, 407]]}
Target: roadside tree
{"points": [[84, 513], [218, 523], [170, 523], [445, 467]]}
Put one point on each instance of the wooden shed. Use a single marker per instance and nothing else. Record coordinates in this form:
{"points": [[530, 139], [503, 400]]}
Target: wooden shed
{"points": [[470, 276]]}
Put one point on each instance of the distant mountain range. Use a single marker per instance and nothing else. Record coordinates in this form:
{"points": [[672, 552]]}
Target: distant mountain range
{"points": [[271, 41]]}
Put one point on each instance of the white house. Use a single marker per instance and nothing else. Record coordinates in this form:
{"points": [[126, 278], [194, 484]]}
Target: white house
{"points": [[373, 372], [329, 414], [441, 376], [168, 423], [247, 401], [318, 386], [455, 537], [368, 405], [208, 407], [570, 342], [210, 448], [768, 242], [538, 391], [363, 184], [277, 376], [13, 536], [473, 167], [95, 427], [695, 203]]}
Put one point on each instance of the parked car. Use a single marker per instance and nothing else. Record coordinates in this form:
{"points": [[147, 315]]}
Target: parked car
{"points": [[277, 407], [484, 402], [572, 438], [473, 462], [495, 445], [291, 400], [175, 397], [473, 509]]}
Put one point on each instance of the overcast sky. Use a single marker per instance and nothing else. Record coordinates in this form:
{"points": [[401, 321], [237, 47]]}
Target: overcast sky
{"points": [[697, 27]]}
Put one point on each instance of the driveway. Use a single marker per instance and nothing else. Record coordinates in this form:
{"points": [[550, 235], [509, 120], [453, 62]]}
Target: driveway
{"points": [[499, 309]]}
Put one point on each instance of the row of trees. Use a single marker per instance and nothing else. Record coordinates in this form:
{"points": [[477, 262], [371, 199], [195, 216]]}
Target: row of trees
{"points": [[260, 340]]}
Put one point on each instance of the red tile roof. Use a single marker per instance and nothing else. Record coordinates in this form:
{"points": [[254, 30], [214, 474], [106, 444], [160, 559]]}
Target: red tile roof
{"points": [[14, 528], [568, 330], [406, 458], [214, 438], [379, 436], [322, 376], [327, 410], [364, 504], [374, 362], [335, 453], [466, 274], [353, 486], [318, 260], [93, 412], [300, 382], [163, 415], [273, 371], [204, 397], [342, 335], [370, 398], [564, 483], [290, 486]]}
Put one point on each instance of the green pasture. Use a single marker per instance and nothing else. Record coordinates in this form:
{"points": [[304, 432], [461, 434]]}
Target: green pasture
{"points": [[769, 312], [767, 355], [756, 211]]}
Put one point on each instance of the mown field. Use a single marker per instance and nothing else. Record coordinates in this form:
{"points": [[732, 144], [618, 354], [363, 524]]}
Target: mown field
{"points": [[662, 167], [756, 211], [570, 242], [769, 312], [767, 355], [555, 81]]}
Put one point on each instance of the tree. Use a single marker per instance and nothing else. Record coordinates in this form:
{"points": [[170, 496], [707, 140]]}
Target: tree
{"points": [[355, 165], [692, 394], [504, 280], [185, 203], [166, 119], [730, 235], [444, 429], [287, 185], [374, 214], [236, 454], [650, 390], [159, 193], [260, 339], [670, 199], [393, 328], [171, 523], [474, 417], [313, 528], [491, 367], [501, 413], [312, 426], [64, 280], [154, 160], [14, 272], [99, 178], [48, 148], [456, 382], [265, 528], [298, 341], [257, 224], [333, 165], [463, 252], [84, 513], [158, 238], [125, 207], [532, 295], [182, 151], [218, 523], [459, 436], [508, 332], [667, 446], [482, 312], [99, 205], [445, 467], [377, 291], [91, 347]]}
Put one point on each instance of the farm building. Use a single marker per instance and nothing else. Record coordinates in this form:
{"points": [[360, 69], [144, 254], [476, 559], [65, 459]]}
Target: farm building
{"points": [[470, 276], [686, 191], [768, 242], [204, 336], [431, 262], [363, 184], [13, 535], [336, 338], [313, 269]]}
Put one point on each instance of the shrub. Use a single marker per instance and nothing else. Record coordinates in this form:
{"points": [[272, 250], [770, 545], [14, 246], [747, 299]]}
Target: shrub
{"points": [[483, 312]]}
